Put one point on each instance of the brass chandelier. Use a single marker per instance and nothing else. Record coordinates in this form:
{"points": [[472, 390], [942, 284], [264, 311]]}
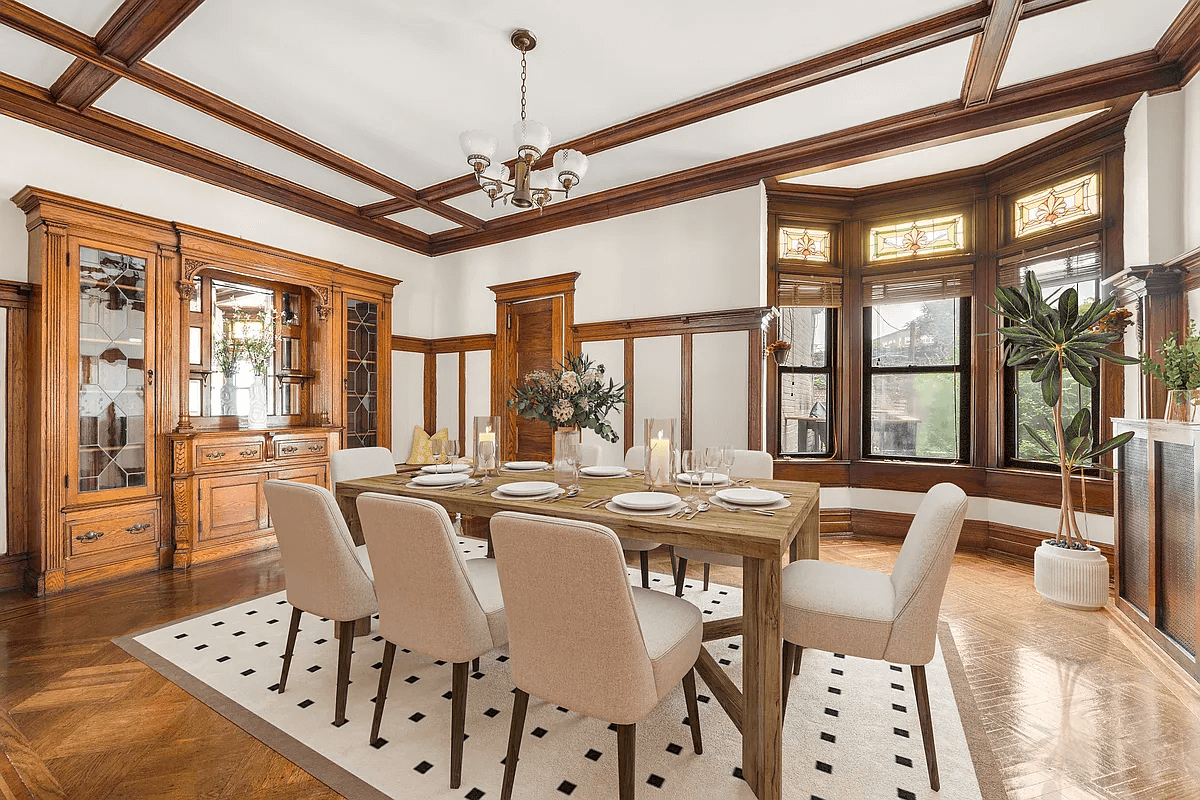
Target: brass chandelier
{"points": [[524, 187]]}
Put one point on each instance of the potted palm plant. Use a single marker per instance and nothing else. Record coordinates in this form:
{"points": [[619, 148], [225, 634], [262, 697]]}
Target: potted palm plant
{"points": [[1055, 337]]}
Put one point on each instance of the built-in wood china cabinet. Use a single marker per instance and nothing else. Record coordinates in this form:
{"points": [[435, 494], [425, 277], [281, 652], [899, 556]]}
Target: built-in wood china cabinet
{"points": [[133, 465]]}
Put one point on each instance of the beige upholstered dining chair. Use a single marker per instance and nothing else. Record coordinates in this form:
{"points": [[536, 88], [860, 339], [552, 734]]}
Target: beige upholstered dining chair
{"points": [[867, 614], [360, 462], [586, 640], [326, 574], [432, 601], [746, 464], [589, 455]]}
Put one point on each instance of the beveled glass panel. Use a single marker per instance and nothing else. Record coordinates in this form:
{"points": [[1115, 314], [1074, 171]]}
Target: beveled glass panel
{"points": [[918, 238], [803, 244], [112, 352], [196, 303], [362, 372], [1069, 201], [915, 415], [195, 351]]}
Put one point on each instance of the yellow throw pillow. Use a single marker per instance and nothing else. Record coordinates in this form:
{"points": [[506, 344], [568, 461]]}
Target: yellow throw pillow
{"points": [[422, 446]]}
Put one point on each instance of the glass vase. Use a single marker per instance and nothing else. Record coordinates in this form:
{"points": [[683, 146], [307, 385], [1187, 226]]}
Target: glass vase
{"points": [[660, 450], [566, 457], [486, 452], [228, 396], [257, 418], [1183, 405]]}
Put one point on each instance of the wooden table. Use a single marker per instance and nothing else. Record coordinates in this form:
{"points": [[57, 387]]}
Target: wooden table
{"points": [[761, 541]]}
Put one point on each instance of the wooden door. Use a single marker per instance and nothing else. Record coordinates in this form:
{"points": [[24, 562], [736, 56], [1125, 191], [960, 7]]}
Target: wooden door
{"points": [[532, 338]]}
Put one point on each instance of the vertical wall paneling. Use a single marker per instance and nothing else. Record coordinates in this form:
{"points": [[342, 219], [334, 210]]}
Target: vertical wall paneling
{"points": [[685, 392], [3, 432], [656, 381], [447, 393], [629, 406], [431, 393], [408, 400], [720, 389], [754, 412], [612, 355], [462, 402]]}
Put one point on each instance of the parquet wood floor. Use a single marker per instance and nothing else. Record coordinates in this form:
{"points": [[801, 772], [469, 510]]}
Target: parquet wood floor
{"points": [[1073, 705]]}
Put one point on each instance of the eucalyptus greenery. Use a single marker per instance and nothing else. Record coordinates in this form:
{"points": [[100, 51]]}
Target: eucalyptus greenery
{"points": [[1054, 337], [1180, 367], [575, 394]]}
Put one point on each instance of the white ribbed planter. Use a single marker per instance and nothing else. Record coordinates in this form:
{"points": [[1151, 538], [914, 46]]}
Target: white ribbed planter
{"points": [[1071, 578]]}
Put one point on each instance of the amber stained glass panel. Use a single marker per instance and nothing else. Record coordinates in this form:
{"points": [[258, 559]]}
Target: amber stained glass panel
{"points": [[1073, 200], [918, 238], [803, 244]]}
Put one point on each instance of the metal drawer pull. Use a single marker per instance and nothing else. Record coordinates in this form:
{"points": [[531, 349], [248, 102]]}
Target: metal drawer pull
{"points": [[90, 536], [288, 449], [138, 528], [215, 454], [248, 453], [316, 448]]}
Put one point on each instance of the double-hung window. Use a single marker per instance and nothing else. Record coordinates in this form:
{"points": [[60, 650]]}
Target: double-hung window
{"points": [[808, 309]]}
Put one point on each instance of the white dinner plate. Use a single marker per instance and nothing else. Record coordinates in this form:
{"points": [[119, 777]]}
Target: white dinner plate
{"points": [[445, 468], [600, 471], [441, 479], [703, 478], [746, 496], [646, 501], [526, 488], [529, 465]]}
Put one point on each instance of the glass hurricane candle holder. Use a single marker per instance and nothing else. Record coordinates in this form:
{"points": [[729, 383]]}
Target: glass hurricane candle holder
{"points": [[487, 445], [660, 453]]}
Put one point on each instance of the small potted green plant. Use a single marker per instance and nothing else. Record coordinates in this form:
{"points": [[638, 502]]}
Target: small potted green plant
{"points": [[1179, 371], [1054, 340]]}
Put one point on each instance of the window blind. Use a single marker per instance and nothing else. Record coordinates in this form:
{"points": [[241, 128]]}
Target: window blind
{"points": [[919, 285], [810, 291], [1057, 265]]}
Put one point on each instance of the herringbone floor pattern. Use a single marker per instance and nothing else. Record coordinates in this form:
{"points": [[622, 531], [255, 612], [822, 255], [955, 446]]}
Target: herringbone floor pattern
{"points": [[1074, 706]]}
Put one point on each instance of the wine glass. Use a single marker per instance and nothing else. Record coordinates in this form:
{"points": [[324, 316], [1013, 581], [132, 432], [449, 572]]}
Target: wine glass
{"points": [[692, 464], [712, 462], [450, 448], [437, 447], [727, 453]]}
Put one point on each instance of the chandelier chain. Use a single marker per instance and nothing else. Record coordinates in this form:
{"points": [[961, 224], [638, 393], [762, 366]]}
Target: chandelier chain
{"points": [[522, 85]]}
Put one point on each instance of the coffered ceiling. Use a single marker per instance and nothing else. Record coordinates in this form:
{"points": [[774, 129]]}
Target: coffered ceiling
{"points": [[350, 112]]}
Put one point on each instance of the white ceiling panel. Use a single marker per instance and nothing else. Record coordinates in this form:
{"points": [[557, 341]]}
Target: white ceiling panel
{"points": [[393, 84], [1086, 33], [936, 159], [29, 59], [422, 220], [88, 16], [129, 100]]}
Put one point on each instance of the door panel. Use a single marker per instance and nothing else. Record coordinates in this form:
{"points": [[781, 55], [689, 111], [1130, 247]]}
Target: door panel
{"points": [[232, 504], [532, 335]]}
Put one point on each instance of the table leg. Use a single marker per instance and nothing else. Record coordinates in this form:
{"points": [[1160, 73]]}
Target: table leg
{"points": [[762, 682]]}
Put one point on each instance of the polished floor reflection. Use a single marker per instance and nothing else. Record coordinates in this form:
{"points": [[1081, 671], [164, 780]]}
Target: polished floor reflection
{"points": [[1074, 706]]}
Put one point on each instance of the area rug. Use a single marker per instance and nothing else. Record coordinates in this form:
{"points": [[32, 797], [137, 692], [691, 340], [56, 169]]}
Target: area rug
{"points": [[851, 730]]}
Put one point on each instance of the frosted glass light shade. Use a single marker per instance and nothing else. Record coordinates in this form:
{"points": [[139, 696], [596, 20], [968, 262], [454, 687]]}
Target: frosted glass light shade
{"points": [[496, 172], [570, 166], [541, 179], [531, 137], [478, 146]]}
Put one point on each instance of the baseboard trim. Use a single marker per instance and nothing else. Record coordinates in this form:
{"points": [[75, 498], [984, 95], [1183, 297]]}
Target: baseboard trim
{"points": [[12, 571]]}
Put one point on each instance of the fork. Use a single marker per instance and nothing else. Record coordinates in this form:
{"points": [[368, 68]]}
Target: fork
{"points": [[735, 509], [466, 485], [597, 503]]}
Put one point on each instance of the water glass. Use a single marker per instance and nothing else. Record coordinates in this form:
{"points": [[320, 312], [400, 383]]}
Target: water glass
{"points": [[692, 464]]}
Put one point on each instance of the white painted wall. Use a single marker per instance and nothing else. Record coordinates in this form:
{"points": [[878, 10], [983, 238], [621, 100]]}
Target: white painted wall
{"points": [[1191, 166], [408, 400], [612, 356]]}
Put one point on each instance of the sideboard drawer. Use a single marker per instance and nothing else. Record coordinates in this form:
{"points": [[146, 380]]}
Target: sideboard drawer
{"points": [[111, 529], [301, 447], [226, 454]]}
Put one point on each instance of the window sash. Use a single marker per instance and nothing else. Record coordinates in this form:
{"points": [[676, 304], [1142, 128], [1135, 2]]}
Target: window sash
{"points": [[809, 291], [1061, 264], [919, 285]]}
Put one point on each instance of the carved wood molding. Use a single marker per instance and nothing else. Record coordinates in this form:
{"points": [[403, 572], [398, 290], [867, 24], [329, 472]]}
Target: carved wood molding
{"points": [[533, 288], [742, 319]]}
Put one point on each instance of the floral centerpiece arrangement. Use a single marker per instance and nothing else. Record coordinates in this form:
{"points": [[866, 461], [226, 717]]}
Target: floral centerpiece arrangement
{"points": [[573, 395]]}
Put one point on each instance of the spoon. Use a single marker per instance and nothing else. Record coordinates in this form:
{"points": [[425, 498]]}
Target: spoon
{"points": [[701, 507], [574, 490], [466, 485]]}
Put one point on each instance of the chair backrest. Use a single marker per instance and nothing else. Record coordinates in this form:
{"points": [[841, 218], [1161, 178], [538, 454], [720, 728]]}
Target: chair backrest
{"points": [[589, 455], [324, 576], [752, 464], [360, 462], [573, 632], [920, 574], [426, 602]]}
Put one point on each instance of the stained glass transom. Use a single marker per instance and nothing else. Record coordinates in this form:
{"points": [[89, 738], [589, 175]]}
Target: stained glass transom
{"points": [[362, 373], [922, 237], [803, 244], [112, 368], [1073, 200]]}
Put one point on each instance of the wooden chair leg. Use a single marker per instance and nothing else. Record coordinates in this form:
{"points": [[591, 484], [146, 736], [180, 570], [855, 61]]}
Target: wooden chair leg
{"points": [[680, 576], [345, 651], [796, 663], [921, 690], [707, 566], [385, 677], [671, 550], [789, 658], [689, 692], [475, 665], [293, 629], [626, 761], [515, 729], [645, 569], [458, 722]]}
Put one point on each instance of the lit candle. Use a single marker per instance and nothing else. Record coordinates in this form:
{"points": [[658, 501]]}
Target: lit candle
{"points": [[486, 447], [660, 459]]}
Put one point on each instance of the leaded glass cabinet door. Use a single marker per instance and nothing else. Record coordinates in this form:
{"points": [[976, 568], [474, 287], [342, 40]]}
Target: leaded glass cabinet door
{"points": [[362, 373], [111, 372]]}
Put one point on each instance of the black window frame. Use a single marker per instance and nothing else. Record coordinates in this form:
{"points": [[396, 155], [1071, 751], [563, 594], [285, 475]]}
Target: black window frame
{"points": [[830, 373], [962, 369], [1010, 412]]}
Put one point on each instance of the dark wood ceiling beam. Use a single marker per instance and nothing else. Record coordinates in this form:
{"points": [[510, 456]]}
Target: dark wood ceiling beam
{"points": [[1181, 41], [1090, 88], [34, 104], [990, 51], [38, 25], [132, 32], [1034, 8]]}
